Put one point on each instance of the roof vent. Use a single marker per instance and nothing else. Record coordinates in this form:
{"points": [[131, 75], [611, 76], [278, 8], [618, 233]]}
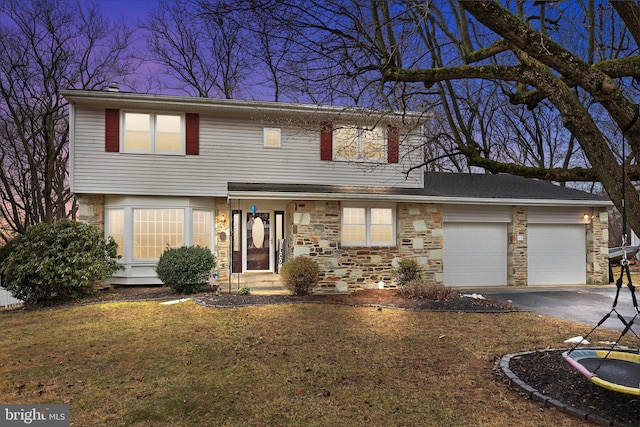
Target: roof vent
{"points": [[113, 87]]}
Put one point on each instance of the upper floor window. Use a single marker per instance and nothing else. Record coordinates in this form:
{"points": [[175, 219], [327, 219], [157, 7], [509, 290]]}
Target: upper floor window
{"points": [[153, 133], [272, 137], [368, 226], [357, 143]]}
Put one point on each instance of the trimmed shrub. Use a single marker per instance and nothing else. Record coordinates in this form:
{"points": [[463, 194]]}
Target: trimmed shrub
{"points": [[245, 290], [56, 262], [408, 269], [185, 269], [300, 274], [419, 289]]}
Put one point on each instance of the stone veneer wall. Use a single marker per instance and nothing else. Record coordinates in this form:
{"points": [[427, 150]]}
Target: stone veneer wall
{"points": [[315, 232], [597, 247], [517, 262], [91, 209], [222, 239]]}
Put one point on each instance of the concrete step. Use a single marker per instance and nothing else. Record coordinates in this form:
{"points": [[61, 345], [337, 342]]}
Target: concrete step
{"points": [[259, 283]]}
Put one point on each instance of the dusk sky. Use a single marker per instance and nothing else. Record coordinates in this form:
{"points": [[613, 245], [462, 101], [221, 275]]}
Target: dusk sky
{"points": [[130, 10]]}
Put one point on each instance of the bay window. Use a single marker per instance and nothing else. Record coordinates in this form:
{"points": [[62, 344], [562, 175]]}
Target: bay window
{"points": [[155, 229]]}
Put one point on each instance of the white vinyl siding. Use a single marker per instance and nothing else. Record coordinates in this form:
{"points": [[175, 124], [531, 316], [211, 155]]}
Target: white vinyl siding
{"points": [[230, 150]]}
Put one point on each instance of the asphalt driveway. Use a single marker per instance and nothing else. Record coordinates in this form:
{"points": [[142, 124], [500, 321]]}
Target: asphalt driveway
{"points": [[583, 304]]}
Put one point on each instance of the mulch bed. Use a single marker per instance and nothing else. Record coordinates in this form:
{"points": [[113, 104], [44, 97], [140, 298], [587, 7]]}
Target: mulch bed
{"points": [[545, 371]]}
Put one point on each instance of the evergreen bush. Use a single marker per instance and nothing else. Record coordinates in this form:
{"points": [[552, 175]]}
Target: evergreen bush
{"points": [[56, 262], [185, 269], [300, 274], [408, 269]]}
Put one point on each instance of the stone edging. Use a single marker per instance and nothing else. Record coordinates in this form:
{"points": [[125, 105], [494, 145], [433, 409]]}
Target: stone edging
{"points": [[534, 394]]}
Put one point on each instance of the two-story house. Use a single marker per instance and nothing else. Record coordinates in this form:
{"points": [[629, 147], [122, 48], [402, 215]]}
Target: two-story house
{"points": [[261, 182]]}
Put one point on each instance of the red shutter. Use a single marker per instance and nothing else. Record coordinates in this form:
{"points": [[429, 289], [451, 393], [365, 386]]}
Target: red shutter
{"points": [[111, 130], [192, 134], [393, 144], [326, 141]]}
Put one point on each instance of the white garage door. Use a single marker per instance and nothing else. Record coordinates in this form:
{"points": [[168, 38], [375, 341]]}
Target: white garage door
{"points": [[557, 254], [475, 254]]}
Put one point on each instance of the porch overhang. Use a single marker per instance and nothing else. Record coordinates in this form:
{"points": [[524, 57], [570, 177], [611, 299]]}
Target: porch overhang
{"points": [[271, 191]]}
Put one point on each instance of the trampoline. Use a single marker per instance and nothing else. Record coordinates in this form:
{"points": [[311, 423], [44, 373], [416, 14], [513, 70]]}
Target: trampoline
{"points": [[615, 370]]}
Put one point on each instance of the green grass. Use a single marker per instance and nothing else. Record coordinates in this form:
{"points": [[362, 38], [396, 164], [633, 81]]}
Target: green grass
{"points": [[146, 364]]}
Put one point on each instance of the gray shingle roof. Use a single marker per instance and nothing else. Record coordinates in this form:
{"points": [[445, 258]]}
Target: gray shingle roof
{"points": [[503, 186], [438, 185]]}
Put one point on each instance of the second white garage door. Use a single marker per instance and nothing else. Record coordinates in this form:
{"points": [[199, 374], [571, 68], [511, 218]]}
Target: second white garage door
{"points": [[475, 254], [556, 254]]}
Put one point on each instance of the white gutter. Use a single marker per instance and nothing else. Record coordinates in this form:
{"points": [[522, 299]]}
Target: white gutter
{"points": [[131, 100], [248, 195]]}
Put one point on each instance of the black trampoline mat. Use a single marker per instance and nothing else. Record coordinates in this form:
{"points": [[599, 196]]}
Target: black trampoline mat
{"points": [[621, 372]]}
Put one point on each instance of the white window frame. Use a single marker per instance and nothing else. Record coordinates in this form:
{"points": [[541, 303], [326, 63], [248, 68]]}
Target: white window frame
{"points": [[362, 130], [266, 132], [152, 130], [367, 208], [129, 205], [122, 246]]}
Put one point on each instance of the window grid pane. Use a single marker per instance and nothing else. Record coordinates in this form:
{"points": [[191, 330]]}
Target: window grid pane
{"points": [[202, 228], [272, 137], [353, 216], [154, 229], [137, 132], [372, 144], [367, 226], [346, 139], [116, 228], [168, 133], [360, 143]]}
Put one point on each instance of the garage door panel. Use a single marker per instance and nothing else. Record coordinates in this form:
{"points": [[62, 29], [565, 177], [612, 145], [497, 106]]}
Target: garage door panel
{"points": [[475, 254], [556, 254]]}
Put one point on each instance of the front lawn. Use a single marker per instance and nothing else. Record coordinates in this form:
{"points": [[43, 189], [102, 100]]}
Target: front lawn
{"points": [[148, 364]]}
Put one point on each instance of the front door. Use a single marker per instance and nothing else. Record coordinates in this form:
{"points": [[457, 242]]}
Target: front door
{"points": [[258, 241]]}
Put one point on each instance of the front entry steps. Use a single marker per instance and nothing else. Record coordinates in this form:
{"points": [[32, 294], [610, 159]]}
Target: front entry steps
{"points": [[258, 283]]}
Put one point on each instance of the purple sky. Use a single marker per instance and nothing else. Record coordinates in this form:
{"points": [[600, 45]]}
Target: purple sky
{"points": [[129, 10]]}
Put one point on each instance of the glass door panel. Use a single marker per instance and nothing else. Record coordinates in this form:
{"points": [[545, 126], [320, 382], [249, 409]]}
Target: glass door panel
{"points": [[258, 241]]}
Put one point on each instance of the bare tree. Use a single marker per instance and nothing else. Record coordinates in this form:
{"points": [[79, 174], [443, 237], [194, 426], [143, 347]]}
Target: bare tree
{"points": [[202, 51], [541, 69], [501, 78], [47, 45]]}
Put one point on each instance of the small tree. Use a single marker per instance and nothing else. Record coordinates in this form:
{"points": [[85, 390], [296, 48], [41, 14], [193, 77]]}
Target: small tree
{"points": [[300, 275], [185, 269], [59, 261]]}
